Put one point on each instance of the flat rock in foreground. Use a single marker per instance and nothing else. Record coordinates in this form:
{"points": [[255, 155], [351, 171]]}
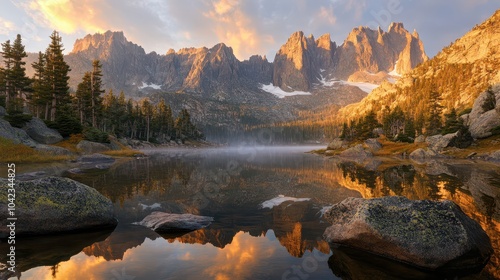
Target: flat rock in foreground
{"points": [[427, 234], [166, 222], [54, 204]]}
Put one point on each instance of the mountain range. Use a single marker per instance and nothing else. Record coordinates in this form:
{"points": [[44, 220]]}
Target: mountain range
{"points": [[225, 93]]}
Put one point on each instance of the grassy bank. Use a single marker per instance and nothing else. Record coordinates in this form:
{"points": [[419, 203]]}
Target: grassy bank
{"points": [[19, 153]]}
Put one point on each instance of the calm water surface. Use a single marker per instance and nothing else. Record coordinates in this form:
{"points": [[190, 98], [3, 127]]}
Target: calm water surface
{"points": [[247, 241]]}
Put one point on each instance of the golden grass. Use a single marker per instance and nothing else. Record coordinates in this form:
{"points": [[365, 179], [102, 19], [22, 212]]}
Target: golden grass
{"points": [[19, 153], [390, 148], [70, 144]]}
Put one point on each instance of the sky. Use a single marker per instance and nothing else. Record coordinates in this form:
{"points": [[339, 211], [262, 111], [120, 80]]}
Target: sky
{"points": [[248, 26]]}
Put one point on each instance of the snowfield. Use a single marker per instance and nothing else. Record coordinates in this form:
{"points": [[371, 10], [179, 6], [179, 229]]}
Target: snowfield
{"points": [[281, 93]]}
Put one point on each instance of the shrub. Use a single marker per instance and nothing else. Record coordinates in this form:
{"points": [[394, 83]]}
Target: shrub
{"points": [[18, 120], [95, 135]]}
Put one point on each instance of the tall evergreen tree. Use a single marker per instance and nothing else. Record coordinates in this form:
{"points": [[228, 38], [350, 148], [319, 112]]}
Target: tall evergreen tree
{"points": [[56, 71], [40, 98], [434, 121], [96, 91]]}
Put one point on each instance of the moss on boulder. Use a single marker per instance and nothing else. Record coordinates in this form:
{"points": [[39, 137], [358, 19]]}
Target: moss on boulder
{"points": [[427, 234], [55, 204]]}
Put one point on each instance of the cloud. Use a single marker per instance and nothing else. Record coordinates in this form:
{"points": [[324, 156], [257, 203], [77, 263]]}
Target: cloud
{"points": [[6, 27]]}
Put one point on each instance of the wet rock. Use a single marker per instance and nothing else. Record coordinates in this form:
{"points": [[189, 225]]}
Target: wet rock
{"points": [[373, 145], [54, 204], [39, 132], [427, 234], [167, 222], [356, 152], [93, 161], [88, 147], [494, 156], [336, 144]]}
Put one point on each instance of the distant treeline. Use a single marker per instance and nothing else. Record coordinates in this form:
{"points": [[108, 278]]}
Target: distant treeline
{"points": [[88, 110]]}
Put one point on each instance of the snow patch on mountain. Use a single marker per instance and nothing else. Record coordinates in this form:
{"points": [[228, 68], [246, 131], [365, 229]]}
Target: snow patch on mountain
{"points": [[281, 93], [153, 86]]}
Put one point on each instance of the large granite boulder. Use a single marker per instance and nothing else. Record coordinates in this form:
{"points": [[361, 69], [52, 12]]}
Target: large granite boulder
{"points": [[356, 152], [336, 144], [482, 126], [53, 150], [427, 234], [485, 114], [169, 223], [55, 204], [373, 145], [88, 147], [37, 130], [17, 135]]}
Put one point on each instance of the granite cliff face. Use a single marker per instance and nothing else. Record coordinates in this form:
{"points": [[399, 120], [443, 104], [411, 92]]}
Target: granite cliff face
{"points": [[302, 61], [460, 72]]}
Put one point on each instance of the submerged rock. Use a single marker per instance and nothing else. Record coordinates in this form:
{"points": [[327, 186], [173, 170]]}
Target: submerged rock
{"points": [[168, 223], [54, 204], [427, 234]]}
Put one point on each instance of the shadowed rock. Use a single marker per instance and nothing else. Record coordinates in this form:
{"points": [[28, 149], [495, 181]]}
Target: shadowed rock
{"points": [[53, 204], [39, 131], [171, 223], [426, 234]]}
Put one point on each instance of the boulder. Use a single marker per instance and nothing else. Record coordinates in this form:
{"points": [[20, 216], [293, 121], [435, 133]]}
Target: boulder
{"points": [[88, 147], [53, 150], [420, 155], [17, 135], [39, 131], [54, 204], [169, 223], [426, 234], [2, 111], [480, 106], [482, 126], [378, 131], [494, 156], [336, 144], [373, 145], [419, 139], [356, 152]]}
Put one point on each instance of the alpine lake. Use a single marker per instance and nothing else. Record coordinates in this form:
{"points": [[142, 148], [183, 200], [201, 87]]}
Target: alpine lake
{"points": [[248, 240]]}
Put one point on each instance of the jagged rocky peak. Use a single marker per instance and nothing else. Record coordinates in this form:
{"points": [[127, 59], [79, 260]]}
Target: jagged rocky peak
{"points": [[375, 51], [294, 63], [99, 40]]}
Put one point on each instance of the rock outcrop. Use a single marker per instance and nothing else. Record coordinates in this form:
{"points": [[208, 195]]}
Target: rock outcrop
{"points": [[53, 204], [485, 114], [171, 223], [39, 132], [336, 144], [427, 234], [356, 152], [17, 135], [88, 147]]}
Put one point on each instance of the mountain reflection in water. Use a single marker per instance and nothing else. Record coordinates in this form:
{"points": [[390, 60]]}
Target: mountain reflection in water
{"points": [[245, 241]]}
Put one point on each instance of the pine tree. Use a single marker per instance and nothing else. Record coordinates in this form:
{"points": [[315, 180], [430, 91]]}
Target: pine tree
{"points": [[40, 98], [83, 97], [434, 122], [147, 110], [452, 122], [56, 71], [96, 91], [7, 71]]}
